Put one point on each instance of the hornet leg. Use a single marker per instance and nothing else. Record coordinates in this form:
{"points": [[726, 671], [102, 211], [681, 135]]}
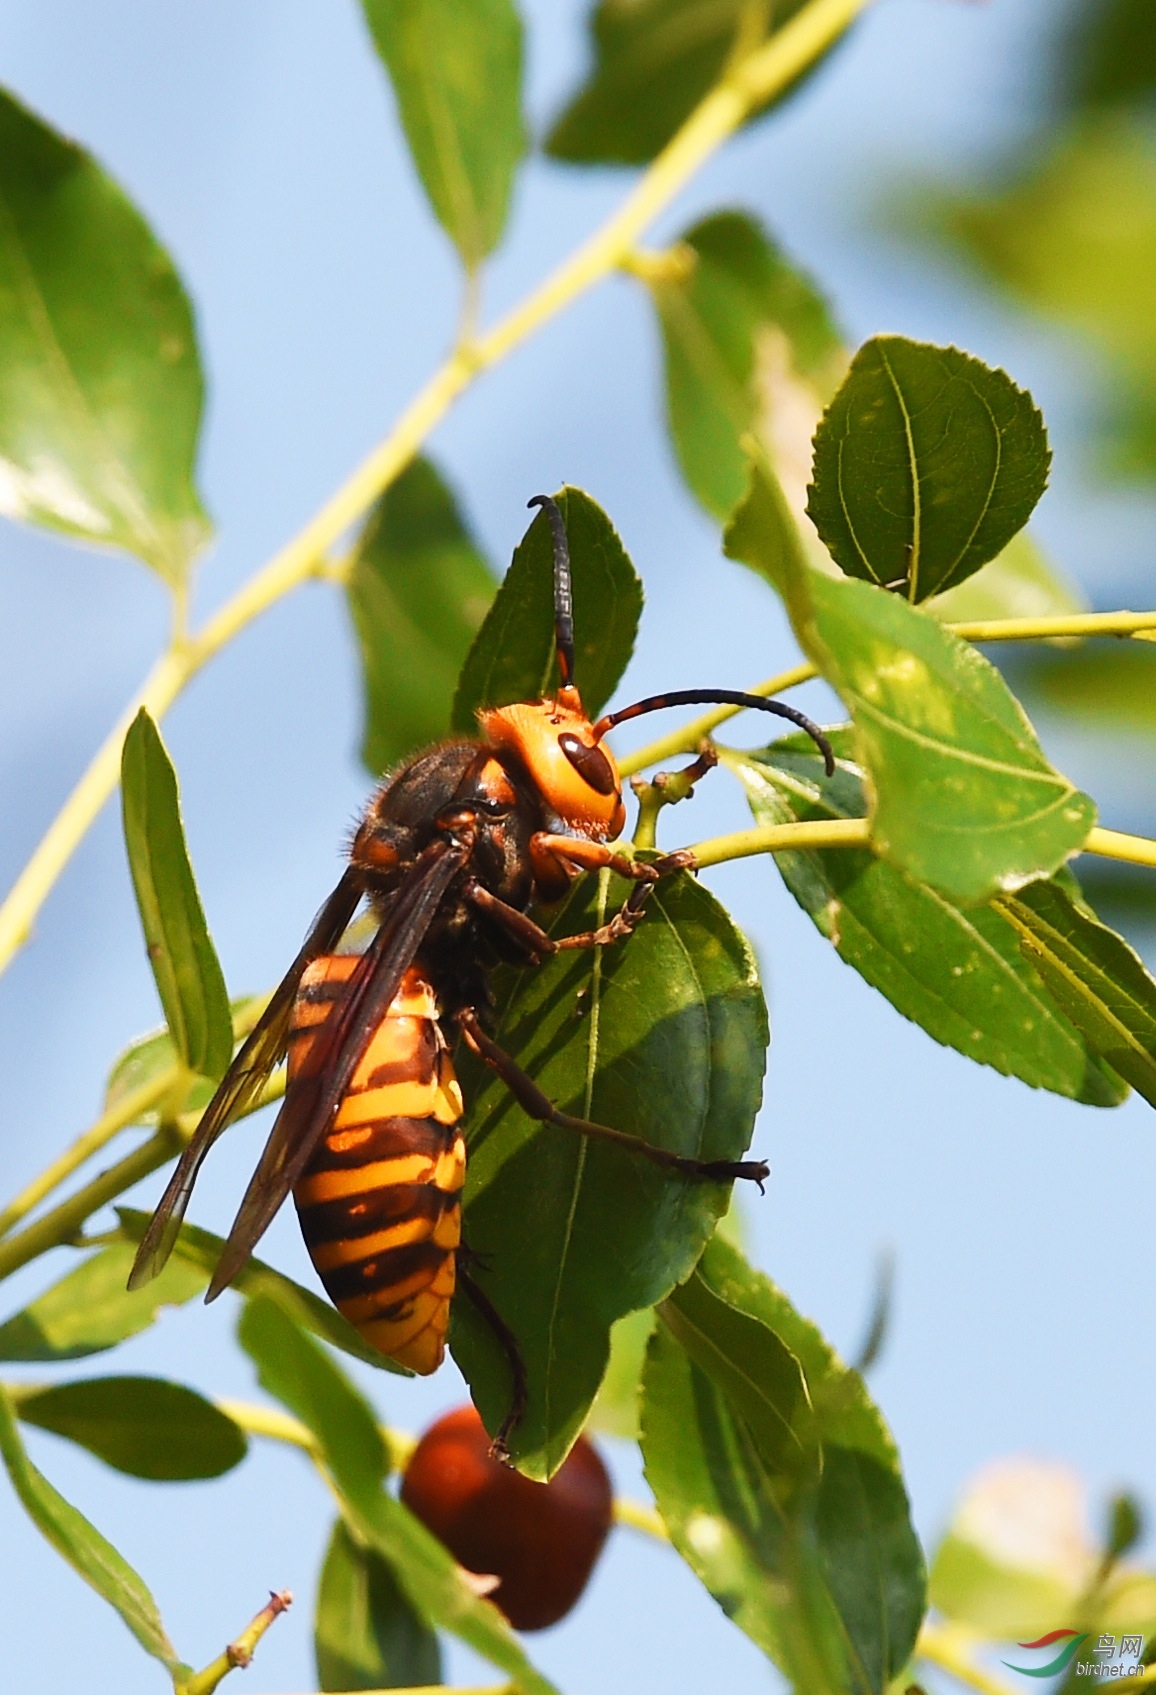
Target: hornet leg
{"points": [[508, 1343], [533, 938], [539, 1106]]}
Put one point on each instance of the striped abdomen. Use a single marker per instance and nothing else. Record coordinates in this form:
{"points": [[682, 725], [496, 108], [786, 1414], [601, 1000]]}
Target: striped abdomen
{"points": [[380, 1203]]}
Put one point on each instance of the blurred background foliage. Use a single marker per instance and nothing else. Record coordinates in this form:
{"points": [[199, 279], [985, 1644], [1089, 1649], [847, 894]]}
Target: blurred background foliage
{"points": [[1062, 226]]}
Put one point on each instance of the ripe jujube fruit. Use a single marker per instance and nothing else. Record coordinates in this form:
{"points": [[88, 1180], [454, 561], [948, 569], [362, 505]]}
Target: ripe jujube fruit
{"points": [[540, 1539]]}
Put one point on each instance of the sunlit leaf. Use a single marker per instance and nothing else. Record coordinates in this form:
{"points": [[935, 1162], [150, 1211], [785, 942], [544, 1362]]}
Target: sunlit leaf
{"points": [[818, 1564], [366, 1633], [1018, 1555], [1094, 976], [82, 1545], [92, 1309], [957, 971], [456, 68], [663, 1034], [1021, 582], [962, 795], [654, 60], [728, 288], [184, 962], [927, 462], [294, 1370], [199, 1250], [311, 1384], [144, 1426], [100, 379], [418, 590], [150, 1062], [512, 657], [615, 1408]]}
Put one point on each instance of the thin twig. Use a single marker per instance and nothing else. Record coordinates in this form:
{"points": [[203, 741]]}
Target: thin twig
{"points": [[238, 1653]]}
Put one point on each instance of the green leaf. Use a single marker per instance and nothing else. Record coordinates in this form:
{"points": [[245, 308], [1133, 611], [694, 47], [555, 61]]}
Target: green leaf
{"points": [[728, 290], [295, 1371], [310, 1383], [958, 972], [151, 1062], [1021, 582], [91, 1309], [418, 591], [199, 1250], [756, 1374], [1109, 56], [100, 378], [615, 1408], [654, 60], [513, 653], [927, 462], [144, 1426], [664, 1035], [366, 1634], [1094, 976], [963, 797], [184, 962], [82, 1545], [820, 1567], [1075, 240], [456, 68]]}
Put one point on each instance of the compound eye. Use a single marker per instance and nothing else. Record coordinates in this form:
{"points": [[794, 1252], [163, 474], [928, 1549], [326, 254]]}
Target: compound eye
{"points": [[590, 763]]}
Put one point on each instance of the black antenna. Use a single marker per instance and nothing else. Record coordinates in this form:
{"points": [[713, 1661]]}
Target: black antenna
{"points": [[720, 697], [563, 601]]}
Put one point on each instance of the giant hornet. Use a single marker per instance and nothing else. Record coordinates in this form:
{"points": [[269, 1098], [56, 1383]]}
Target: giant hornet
{"points": [[452, 851]]}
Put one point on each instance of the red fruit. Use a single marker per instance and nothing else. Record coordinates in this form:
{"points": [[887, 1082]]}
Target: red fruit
{"points": [[541, 1539]]}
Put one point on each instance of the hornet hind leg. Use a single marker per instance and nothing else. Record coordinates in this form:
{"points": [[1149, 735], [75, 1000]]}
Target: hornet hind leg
{"points": [[539, 1106]]}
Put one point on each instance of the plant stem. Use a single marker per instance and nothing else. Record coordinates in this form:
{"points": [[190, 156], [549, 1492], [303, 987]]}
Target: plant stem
{"points": [[988, 630], [855, 832], [745, 87], [280, 1427], [640, 1517], [1115, 844], [779, 838], [62, 1223], [949, 1647], [109, 1124], [238, 1653], [130, 1110]]}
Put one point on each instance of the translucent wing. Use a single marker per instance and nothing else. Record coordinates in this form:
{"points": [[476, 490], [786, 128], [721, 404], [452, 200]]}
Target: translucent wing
{"points": [[243, 1082], [334, 1053]]}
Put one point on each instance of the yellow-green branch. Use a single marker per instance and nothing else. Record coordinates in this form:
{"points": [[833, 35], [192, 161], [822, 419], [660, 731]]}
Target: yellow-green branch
{"points": [[239, 1653], [745, 87], [950, 1648], [1142, 625], [856, 832]]}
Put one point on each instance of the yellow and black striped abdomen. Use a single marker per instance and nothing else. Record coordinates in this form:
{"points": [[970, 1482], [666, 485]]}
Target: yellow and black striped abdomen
{"points": [[380, 1203]]}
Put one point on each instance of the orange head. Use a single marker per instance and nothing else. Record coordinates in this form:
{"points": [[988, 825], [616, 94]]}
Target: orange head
{"points": [[555, 742]]}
